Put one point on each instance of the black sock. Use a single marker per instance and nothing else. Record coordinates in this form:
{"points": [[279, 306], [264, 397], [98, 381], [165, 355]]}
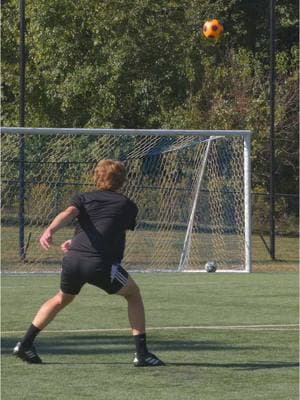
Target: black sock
{"points": [[30, 335], [140, 343]]}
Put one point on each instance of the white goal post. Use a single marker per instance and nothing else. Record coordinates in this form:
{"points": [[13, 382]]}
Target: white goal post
{"points": [[192, 187]]}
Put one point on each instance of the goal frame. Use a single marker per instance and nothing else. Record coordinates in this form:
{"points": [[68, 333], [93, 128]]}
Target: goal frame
{"points": [[245, 134]]}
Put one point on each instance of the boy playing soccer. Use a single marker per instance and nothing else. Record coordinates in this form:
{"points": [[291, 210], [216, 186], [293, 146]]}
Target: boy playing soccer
{"points": [[94, 256]]}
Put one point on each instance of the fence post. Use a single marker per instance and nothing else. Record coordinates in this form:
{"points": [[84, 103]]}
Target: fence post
{"points": [[22, 62], [272, 129]]}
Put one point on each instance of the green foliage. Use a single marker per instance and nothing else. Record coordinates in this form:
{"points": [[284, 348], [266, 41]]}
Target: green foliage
{"points": [[145, 64]]}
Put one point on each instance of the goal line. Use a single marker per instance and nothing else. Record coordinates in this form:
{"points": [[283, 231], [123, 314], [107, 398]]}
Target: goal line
{"points": [[135, 271]]}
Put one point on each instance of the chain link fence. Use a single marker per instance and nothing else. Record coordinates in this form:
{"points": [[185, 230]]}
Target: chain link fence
{"points": [[287, 230]]}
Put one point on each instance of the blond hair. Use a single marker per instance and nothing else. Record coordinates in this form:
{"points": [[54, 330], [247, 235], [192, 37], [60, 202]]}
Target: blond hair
{"points": [[109, 175]]}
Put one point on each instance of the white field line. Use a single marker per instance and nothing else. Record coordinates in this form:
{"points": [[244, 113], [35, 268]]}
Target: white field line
{"points": [[56, 287], [27, 287], [288, 327]]}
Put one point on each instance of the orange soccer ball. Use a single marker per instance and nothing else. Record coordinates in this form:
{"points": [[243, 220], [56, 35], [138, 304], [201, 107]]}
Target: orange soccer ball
{"points": [[212, 29]]}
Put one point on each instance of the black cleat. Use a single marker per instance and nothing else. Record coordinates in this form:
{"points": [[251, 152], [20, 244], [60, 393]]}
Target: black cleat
{"points": [[147, 360], [30, 355]]}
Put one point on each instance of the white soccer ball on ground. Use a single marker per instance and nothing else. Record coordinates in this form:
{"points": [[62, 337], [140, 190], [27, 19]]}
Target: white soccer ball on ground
{"points": [[210, 266]]}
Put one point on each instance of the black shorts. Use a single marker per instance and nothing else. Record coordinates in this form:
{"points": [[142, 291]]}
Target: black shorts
{"points": [[78, 270]]}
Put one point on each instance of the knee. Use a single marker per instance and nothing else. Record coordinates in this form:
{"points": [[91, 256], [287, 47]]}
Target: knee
{"points": [[136, 290], [133, 291], [63, 299]]}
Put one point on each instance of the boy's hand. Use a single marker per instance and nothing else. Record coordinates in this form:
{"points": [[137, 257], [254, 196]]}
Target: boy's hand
{"points": [[65, 246], [46, 239]]}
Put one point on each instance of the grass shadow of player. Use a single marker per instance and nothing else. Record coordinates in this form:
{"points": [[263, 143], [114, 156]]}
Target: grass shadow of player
{"points": [[97, 345], [247, 366], [82, 344]]}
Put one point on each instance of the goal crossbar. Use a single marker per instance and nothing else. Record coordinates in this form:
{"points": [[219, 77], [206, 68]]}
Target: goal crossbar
{"points": [[134, 132]]}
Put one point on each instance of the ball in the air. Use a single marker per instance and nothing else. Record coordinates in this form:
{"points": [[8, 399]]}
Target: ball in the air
{"points": [[212, 29], [210, 266]]}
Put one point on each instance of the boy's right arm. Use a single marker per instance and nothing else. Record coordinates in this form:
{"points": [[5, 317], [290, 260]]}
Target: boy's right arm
{"points": [[60, 220]]}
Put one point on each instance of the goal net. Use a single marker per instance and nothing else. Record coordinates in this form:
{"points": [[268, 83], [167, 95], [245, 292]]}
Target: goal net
{"points": [[192, 189]]}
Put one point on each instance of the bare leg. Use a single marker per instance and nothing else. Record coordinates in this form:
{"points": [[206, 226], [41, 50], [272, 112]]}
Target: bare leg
{"points": [[50, 308], [25, 349], [136, 313]]}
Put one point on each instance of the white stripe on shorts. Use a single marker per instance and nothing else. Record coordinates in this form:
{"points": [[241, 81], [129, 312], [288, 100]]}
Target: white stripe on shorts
{"points": [[121, 278], [116, 274]]}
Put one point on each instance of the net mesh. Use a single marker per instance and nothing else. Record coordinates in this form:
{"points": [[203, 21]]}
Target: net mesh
{"points": [[162, 171]]}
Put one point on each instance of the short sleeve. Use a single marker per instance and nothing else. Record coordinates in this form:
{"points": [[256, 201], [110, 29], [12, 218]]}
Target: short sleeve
{"points": [[133, 211], [77, 201]]}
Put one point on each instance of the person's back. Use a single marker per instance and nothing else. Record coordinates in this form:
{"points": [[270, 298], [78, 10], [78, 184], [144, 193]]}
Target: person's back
{"points": [[104, 216]]}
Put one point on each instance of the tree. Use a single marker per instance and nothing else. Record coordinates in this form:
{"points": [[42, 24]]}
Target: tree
{"points": [[145, 64]]}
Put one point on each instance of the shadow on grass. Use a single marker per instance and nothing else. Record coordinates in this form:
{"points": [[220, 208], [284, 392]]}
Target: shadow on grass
{"points": [[236, 366], [109, 344], [98, 345], [241, 366]]}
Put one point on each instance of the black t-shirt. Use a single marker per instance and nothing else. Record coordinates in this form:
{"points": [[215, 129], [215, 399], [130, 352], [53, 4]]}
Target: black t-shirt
{"points": [[104, 217]]}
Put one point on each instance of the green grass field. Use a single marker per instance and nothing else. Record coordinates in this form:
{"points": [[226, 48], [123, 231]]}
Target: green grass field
{"points": [[222, 336]]}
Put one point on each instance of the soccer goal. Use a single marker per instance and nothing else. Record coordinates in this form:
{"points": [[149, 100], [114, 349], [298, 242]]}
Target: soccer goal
{"points": [[192, 188]]}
